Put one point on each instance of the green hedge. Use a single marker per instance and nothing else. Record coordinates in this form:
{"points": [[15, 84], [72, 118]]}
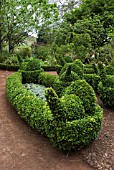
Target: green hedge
{"points": [[50, 80], [86, 93], [109, 69], [106, 90], [9, 67], [66, 133], [31, 76], [76, 66], [93, 80]]}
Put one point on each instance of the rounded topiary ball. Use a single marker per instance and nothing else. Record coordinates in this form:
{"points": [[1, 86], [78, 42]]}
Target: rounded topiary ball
{"points": [[85, 92], [73, 106]]}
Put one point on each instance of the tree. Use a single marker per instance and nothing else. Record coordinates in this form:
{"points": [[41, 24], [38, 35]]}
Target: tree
{"points": [[21, 17]]}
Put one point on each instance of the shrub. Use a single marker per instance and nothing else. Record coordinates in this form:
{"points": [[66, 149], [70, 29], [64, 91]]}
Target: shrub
{"points": [[73, 134], [13, 60], [9, 67], [23, 52], [23, 66], [76, 66], [106, 95], [93, 80], [33, 65], [88, 69], [78, 63], [106, 87], [109, 69], [112, 62], [74, 107], [42, 52], [85, 92], [68, 76], [31, 76], [65, 68], [50, 80], [65, 131], [29, 107], [68, 59]]}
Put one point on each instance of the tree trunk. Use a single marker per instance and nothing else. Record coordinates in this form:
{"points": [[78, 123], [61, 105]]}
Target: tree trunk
{"points": [[11, 46]]}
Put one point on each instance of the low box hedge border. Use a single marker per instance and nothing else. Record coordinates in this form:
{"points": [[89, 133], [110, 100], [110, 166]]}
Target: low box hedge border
{"points": [[65, 135], [17, 67], [9, 67]]}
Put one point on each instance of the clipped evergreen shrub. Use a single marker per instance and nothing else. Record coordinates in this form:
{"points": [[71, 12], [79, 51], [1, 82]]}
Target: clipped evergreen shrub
{"points": [[68, 59], [89, 69], [85, 92], [109, 69], [12, 60], [50, 80], [31, 76], [68, 76], [76, 66], [93, 80], [106, 87], [106, 90], [9, 67], [74, 107], [33, 65], [65, 121]]}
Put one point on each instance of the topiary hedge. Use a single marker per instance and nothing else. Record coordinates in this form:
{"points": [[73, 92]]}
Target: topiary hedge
{"points": [[68, 76], [93, 80], [86, 93], [70, 122], [106, 90], [89, 69], [106, 87], [76, 66], [109, 70], [9, 67]]}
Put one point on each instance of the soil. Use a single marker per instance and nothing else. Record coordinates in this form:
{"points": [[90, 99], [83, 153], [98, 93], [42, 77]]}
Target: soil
{"points": [[22, 148]]}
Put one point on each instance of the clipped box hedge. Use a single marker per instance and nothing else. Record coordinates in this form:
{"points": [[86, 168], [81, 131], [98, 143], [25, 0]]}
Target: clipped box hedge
{"points": [[93, 80], [9, 67], [55, 117], [106, 90]]}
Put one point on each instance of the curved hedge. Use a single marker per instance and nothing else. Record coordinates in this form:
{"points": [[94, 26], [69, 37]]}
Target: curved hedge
{"points": [[106, 90], [93, 80], [51, 117]]}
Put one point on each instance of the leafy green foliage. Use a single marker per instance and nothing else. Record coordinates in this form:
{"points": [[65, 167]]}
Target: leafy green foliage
{"points": [[76, 66], [93, 80], [68, 76], [106, 87], [24, 16], [107, 94], [85, 92], [33, 65], [53, 81], [74, 107], [66, 131], [109, 69], [12, 61], [31, 76]]}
